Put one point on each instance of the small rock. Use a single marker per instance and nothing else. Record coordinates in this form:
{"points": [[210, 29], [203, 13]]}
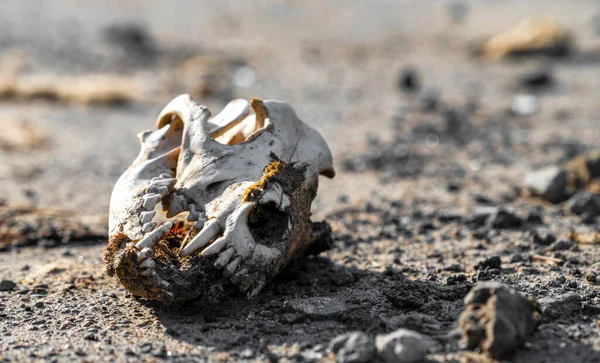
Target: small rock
{"points": [[549, 183], [492, 262], [561, 245], [353, 347], [317, 308], [409, 80], [90, 336], [561, 307], [524, 105], [542, 236], [503, 218], [403, 346], [585, 204], [7, 285], [497, 319], [39, 304], [456, 279], [537, 80]]}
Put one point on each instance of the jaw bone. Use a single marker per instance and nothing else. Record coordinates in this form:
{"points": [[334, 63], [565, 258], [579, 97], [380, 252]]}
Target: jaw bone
{"points": [[246, 179]]}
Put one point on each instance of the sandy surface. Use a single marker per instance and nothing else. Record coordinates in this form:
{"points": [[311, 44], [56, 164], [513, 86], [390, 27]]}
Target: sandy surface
{"points": [[401, 231]]}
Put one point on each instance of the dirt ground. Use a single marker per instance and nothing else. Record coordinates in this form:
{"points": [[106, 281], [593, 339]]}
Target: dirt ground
{"points": [[425, 147]]}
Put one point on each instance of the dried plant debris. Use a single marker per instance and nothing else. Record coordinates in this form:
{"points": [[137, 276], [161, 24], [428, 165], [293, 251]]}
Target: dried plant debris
{"points": [[497, 319], [26, 226], [237, 190], [530, 36], [19, 135]]}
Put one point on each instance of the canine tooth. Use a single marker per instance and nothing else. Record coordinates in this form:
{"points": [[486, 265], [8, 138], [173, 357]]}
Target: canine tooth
{"points": [[145, 253], [224, 257], [148, 263], [215, 247], [147, 272], [150, 201], [194, 214], [148, 227], [147, 217], [232, 266], [153, 237], [210, 231]]}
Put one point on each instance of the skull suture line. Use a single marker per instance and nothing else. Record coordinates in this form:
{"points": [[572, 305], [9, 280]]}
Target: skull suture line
{"points": [[237, 189]]}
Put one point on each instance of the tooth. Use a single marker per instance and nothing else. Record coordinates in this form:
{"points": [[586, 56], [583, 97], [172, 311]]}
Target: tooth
{"points": [[153, 237], [169, 183], [145, 253], [147, 216], [147, 272], [224, 257], [210, 231], [215, 247], [194, 214], [201, 221], [148, 263], [235, 112], [232, 266], [148, 227], [166, 176], [177, 204], [158, 189], [150, 201]]}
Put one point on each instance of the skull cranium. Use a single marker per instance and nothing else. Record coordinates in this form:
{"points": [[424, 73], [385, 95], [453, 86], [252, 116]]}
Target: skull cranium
{"points": [[244, 179]]}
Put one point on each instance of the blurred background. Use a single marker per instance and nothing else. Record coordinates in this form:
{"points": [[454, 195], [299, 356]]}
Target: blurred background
{"points": [[78, 81], [441, 116]]}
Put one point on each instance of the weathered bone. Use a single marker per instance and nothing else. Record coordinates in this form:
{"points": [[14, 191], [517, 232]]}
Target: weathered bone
{"points": [[154, 236], [250, 173], [207, 233]]}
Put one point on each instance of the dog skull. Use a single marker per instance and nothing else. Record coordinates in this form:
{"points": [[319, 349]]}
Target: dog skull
{"points": [[236, 188]]}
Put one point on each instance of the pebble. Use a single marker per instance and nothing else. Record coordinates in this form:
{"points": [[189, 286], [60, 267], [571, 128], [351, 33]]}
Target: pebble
{"points": [[353, 347], [492, 262], [585, 204], [409, 79], [456, 279], [503, 218], [561, 307], [317, 308], [537, 80], [403, 346], [549, 183], [7, 285], [562, 245], [542, 236], [524, 105], [497, 319]]}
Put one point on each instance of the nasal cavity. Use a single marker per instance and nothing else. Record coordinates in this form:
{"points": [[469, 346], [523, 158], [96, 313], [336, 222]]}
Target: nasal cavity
{"points": [[239, 122]]}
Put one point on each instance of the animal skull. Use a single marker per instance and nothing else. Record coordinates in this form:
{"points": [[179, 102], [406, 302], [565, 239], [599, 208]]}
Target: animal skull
{"points": [[244, 180]]}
